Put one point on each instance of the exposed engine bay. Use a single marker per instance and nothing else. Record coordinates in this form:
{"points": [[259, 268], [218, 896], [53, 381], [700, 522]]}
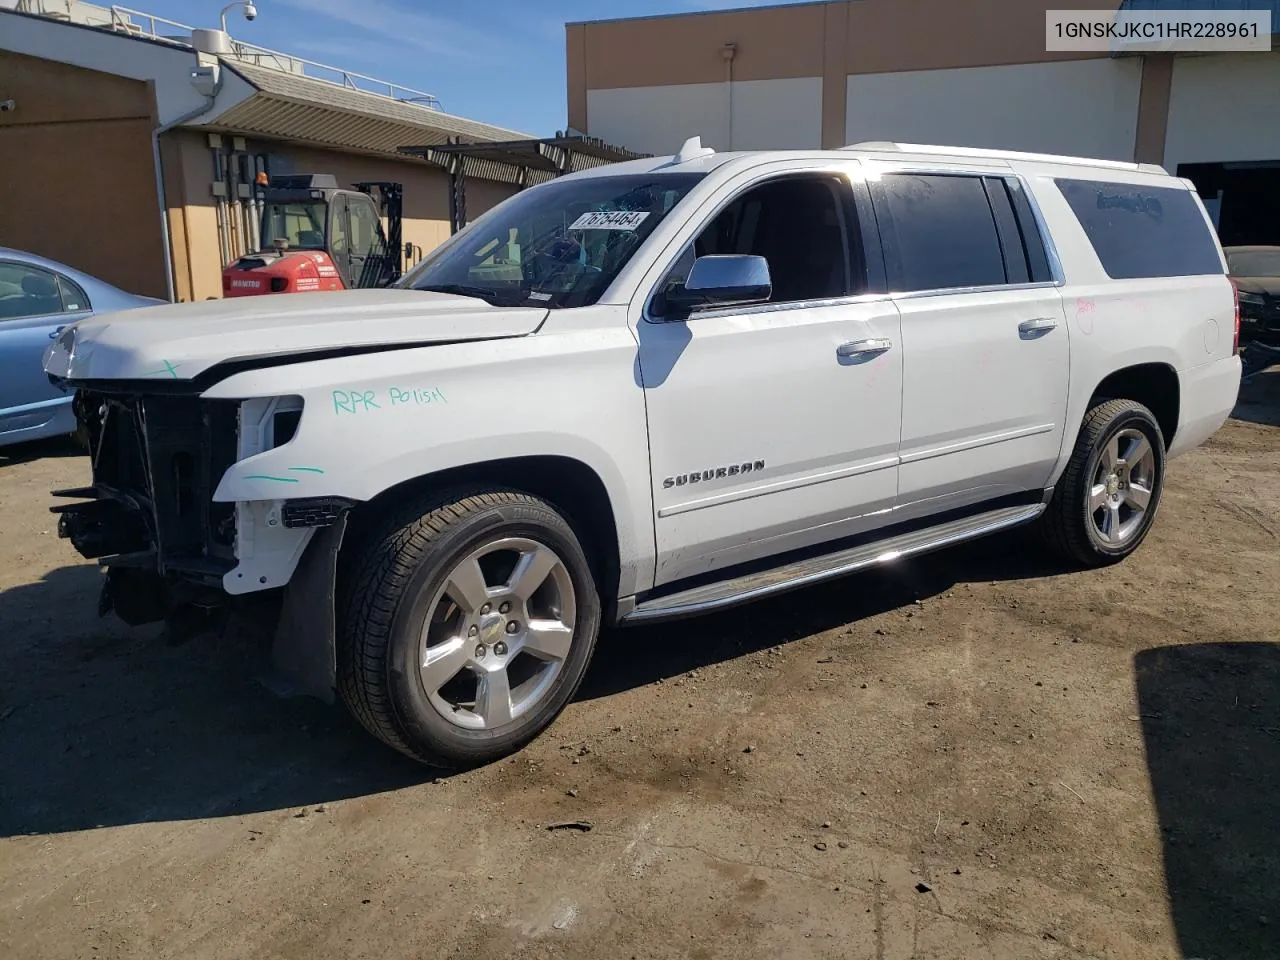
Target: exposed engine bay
{"points": [[151, 519]]}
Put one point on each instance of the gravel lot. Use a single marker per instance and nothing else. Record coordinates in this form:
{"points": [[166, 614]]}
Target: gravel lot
{"points": [[978, 754]]}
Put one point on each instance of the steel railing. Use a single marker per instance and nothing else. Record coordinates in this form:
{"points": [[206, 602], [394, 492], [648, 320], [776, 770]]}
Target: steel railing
{"points": [[128, 20]]}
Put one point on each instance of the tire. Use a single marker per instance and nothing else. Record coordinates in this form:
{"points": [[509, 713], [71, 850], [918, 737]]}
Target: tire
{"points": [[408, 595], [1091, 497]]}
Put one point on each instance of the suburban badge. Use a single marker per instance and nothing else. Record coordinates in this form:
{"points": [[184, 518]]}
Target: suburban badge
{"points": [[713, 473]]}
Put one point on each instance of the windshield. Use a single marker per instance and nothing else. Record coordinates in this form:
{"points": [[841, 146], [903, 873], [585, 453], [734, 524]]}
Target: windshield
{"points": [[300, 224], [556, 245], [1254, 263]]}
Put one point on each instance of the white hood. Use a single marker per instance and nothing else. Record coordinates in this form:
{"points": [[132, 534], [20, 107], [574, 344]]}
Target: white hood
{"points": [[180, 341]]}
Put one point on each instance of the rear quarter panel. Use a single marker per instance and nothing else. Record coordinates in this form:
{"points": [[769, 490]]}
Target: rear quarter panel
{"points": [[1186, 323]]}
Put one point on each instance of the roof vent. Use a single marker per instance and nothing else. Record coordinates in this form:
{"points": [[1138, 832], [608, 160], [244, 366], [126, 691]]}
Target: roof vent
{"points": [[692, 149]]}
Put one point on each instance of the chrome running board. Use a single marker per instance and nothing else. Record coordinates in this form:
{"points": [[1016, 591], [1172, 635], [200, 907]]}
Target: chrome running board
{"points": [[803, 573]]}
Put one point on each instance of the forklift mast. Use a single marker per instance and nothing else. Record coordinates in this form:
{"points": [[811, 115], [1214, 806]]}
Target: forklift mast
{"points": [[391, 206]]}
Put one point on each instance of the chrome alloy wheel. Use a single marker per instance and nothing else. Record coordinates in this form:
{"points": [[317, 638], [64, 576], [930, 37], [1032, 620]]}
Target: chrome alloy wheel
{"points": [[498, 633], [1123, 483]]}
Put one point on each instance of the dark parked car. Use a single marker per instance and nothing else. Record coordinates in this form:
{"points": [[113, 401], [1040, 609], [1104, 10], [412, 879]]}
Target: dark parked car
{"points": [[1256, 272], [38, 297]]}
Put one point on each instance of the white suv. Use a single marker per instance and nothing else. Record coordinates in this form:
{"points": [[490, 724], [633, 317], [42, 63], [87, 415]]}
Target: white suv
{"points": [[649, 390]]}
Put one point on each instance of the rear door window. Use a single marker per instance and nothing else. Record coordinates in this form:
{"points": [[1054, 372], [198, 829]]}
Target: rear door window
{"points": [[1142, 231], [939, 232]]}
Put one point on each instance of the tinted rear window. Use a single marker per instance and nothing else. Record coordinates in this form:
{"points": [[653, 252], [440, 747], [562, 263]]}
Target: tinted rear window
{"points": [[939, 232], [1140, 231]]}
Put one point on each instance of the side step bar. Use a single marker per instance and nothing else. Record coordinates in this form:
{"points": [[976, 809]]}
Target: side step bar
{"points": [[727, 593]]}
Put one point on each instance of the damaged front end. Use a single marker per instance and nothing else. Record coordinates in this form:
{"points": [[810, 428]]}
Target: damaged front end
{"points": [[150, 517]]}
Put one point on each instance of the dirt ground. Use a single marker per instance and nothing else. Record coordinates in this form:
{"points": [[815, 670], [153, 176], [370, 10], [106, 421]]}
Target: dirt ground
{"points": [[977, 754]]}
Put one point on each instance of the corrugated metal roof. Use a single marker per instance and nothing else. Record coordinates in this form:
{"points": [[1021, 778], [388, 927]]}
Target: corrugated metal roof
{"points": [[292, 107], [1272, 5], [1219, 6]]}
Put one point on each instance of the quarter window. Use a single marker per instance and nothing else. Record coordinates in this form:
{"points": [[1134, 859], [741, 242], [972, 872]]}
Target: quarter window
{"points": [[939, 231], [73, 297], [1142, 231]]}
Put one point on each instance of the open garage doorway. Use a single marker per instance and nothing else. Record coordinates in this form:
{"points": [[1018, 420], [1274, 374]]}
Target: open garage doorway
{"points": [[1243, 199]]}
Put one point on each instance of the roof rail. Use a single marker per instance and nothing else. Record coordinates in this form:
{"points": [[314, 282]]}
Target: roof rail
{"points": [[888, 146]]}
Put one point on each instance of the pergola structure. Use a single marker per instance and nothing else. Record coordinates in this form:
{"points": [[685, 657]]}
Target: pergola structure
{"points": [[521, 162]]}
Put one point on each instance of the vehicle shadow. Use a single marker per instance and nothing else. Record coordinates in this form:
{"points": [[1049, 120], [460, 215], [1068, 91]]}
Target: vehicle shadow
{"points": [[640, 655], [40, 449], [103, 725], [1259, 400], [1210, 717]]}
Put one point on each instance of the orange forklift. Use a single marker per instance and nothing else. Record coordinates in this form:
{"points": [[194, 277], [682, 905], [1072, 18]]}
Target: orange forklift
{"points": [[317, 236]]}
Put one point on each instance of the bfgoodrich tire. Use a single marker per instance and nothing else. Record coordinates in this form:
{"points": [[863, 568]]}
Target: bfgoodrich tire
{"points": [[466, 623], [1105, 502]]}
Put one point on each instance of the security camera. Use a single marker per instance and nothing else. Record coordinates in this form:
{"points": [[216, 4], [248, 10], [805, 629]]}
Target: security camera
{"points": [[250, 11], [7, 105]]}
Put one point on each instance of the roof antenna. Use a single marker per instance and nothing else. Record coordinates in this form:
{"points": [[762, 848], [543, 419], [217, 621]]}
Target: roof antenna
{"points": [[691, 149]]}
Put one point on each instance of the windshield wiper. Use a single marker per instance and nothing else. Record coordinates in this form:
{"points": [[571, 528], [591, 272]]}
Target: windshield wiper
{"points": [[487, 294]]}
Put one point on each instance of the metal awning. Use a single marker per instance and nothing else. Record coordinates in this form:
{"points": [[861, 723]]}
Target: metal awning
{"points": [[290, 106]]}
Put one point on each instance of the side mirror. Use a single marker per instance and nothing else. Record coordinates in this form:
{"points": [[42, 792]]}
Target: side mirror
{"points": [[723, 280]]}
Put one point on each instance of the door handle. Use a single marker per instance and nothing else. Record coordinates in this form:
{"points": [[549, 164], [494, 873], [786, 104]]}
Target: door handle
{"points": [[56, 331], [1037, 325], [862, 348]]}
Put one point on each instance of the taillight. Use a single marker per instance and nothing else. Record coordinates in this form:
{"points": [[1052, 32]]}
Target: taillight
{"points": [[226, 283], [1235, 341]]}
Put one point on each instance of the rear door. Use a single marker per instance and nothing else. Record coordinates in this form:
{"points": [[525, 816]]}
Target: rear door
{"points": [[34, 305], [984, 336]]}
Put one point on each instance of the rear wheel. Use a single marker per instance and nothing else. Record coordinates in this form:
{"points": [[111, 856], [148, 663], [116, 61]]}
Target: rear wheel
{"points": [[1106, 500], [467, 624]]}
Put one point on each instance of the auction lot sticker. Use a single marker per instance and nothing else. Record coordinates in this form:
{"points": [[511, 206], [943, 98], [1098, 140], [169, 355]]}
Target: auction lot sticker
{"points": [[610, 220]]}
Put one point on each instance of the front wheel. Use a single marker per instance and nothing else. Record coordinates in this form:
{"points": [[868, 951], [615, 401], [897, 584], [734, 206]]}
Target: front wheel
{"points": [[467, 624], [1106, 500]]}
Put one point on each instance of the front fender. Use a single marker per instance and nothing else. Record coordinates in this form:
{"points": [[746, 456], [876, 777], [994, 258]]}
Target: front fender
{"points": [[372, 422]]}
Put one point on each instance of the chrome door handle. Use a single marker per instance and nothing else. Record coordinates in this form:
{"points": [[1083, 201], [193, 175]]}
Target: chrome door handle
{"points": [[1037, 325], [862, 348]]}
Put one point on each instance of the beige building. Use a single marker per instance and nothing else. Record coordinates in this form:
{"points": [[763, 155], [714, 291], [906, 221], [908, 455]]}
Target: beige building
{"points": [[964, 72], [110, 119]]}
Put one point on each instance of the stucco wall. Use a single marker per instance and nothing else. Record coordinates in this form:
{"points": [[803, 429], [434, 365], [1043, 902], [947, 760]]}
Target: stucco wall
{"points": [[777, 114], [1083, 107], [79, 182], [1224, 108], [811, 43]]}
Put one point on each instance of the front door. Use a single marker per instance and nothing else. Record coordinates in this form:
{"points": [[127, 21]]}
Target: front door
{"points": [[984, 336], [773, 427]]}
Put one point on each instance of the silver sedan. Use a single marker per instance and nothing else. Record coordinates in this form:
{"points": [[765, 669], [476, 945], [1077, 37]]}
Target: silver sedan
{"points": [[38, 297]]}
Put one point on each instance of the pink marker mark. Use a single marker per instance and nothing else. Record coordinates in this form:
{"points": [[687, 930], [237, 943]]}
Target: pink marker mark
{"points": [[1084, 315]]}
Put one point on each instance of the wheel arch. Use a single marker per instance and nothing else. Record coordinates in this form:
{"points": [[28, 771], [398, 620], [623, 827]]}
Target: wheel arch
{"points": [[572, 486], [1155, 385]]}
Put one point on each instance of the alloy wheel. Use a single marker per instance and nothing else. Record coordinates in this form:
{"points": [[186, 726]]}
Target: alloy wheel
{"points": [[498, 633]]}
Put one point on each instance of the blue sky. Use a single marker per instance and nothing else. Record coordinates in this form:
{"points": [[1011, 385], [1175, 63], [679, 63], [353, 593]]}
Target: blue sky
{"points": [[500, 61]]}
